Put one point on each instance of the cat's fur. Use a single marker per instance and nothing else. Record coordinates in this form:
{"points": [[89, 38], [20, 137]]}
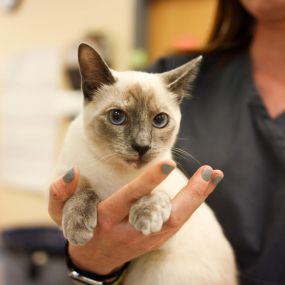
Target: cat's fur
{"points": [[109, 156]]}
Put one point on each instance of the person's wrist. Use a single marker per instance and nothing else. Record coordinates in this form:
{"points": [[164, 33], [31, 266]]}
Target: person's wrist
{"points": [[83, 274], [97, 263]]}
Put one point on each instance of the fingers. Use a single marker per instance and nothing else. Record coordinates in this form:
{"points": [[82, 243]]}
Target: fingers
{"points": [[200, 185], [117, 206], [60, 190]]}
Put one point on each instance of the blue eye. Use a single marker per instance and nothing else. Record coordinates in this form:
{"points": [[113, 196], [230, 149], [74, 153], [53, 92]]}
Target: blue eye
{"points": [[160, 121], [117, 117]]}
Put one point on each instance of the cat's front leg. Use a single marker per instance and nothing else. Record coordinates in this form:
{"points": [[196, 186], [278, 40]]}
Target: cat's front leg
{"points": [[80, 214], [148, 214]]}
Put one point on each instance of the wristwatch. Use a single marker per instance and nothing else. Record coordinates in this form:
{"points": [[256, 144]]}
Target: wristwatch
{"points": [[90, 278], [82, 279]]}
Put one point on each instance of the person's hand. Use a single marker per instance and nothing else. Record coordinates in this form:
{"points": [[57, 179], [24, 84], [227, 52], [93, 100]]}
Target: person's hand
{"points": [[115, 241]]}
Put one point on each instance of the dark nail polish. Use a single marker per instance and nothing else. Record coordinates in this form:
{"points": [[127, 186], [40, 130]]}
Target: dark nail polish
{"points": [[166, 168], [68, 177], [217, 180], [207, 173]]}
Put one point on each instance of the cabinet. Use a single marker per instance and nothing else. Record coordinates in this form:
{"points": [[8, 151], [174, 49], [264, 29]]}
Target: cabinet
{"points": [[177, 25]]}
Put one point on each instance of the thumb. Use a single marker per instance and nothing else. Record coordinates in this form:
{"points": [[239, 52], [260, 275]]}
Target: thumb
{"points": [[60, 190]]}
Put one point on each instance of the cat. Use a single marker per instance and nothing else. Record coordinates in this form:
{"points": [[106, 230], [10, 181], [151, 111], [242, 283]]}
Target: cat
{"points": [[130, 120]]}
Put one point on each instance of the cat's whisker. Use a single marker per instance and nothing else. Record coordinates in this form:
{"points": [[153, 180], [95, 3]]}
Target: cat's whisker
{"points": [[181, 167], [184, 154], [178, 154], [182, 139], [107, 156]]}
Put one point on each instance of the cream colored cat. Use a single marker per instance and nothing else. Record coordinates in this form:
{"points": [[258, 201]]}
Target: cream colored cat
{"points": [[129, 121]]}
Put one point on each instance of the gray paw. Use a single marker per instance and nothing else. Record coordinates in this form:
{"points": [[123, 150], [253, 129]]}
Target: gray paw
{"points": [[78, 229], [79, 217], [148, 214]]}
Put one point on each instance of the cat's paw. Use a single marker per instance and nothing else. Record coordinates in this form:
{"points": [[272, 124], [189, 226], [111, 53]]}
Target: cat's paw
{"points": [[79, 217], [148, 214], [78, 229]]}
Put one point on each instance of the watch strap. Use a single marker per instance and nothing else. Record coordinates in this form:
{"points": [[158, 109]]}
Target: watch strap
{"points": [[91, 278]]}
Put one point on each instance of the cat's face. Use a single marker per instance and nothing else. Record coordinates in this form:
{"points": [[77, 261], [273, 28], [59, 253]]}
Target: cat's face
{"points": [[134, 120], [130, 118]]}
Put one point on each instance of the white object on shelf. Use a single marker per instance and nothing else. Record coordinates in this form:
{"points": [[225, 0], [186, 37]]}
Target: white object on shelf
{"points": [[30, 105]]}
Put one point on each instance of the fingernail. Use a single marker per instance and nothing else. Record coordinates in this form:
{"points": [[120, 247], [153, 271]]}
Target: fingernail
{"points": [[166, 168], [207, 173], [217, 180], [68, 177]]}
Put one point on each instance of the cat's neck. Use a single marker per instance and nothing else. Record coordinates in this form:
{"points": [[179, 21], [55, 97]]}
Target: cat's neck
{"points": [[107, 178]]}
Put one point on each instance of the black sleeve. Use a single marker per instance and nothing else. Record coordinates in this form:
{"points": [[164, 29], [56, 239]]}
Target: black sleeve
{"points": [[170, 62]]}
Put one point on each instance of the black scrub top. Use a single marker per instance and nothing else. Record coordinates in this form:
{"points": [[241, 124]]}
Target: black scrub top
{"points": [[226, 125]]}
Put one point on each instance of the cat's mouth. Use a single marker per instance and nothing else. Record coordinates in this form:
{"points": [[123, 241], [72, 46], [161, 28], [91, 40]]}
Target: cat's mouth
{"points": [[137, 162]]}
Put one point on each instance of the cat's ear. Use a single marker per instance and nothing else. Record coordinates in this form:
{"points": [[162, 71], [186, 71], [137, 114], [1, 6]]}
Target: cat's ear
{"points": [[179, 79], [94, 71]]}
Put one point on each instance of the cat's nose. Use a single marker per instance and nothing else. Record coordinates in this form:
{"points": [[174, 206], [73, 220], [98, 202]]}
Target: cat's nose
{"points": [[141, 149]]}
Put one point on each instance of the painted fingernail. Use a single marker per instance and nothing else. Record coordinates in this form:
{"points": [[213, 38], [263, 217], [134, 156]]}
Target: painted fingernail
{"points": [[166, 168], [207, 173], [68, 177], [217, 180]]}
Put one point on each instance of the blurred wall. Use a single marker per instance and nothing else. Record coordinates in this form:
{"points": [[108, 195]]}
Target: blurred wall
{"points": [[53, 23], [58, 24]]}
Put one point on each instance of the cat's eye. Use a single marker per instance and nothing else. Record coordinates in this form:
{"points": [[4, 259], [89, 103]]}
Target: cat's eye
{"points": [[160, 121], [117, 117]]}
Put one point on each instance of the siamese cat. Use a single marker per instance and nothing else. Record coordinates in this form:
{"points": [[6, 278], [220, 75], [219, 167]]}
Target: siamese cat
{"points": [[129, 121]]}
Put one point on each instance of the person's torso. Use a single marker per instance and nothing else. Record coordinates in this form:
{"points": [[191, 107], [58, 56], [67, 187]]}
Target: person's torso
{"points": [[225, 125]]}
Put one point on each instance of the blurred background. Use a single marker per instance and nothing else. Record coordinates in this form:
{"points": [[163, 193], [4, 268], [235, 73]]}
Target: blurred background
{"points": [[40, 94]]}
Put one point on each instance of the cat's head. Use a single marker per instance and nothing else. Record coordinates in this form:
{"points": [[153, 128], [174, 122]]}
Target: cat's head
{"points": [[130, 117]]}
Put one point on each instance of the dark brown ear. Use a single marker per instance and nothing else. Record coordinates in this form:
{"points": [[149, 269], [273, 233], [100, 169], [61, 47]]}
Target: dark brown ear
{"points": [[178, 80], [94, 71]]}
